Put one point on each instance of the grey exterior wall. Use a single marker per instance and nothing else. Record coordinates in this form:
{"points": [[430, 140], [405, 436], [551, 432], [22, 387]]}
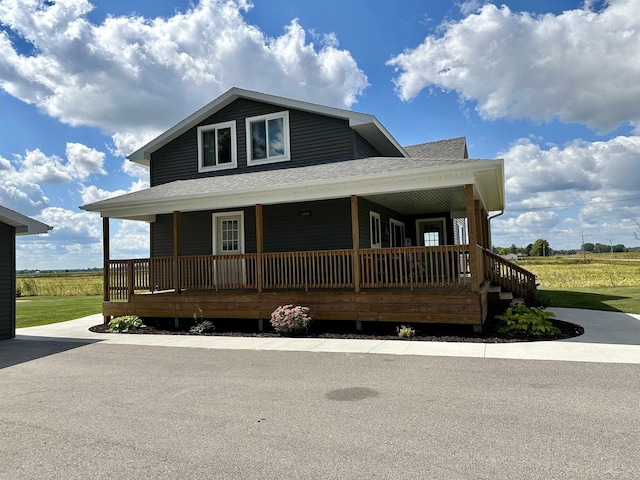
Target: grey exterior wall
{"points": [[314, 139], [328, 227], [7, 281], [386, 214], [197, 232], [285, 229]]}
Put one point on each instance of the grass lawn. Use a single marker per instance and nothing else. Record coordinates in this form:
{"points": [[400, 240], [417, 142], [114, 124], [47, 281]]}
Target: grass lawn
{"points": [[622, 299], [32, 311]]}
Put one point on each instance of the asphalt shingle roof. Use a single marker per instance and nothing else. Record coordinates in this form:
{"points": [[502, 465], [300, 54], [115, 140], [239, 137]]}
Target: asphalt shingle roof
{"points": [[278, 177], [450, 148]]}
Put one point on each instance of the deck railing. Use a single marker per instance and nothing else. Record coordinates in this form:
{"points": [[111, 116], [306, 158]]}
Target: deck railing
{"points": [[444, 266], [508, 275], [408, 267]]}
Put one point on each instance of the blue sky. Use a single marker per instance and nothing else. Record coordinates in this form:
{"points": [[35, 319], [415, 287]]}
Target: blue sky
{"points": [[553, 87]]}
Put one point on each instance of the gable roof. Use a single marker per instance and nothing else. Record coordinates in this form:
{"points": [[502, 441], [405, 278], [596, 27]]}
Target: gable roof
{"points": [[366, 125], [23, 224], [449, 148], [367, 176]]}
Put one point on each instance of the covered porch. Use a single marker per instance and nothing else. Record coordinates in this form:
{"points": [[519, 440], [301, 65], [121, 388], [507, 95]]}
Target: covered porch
{"points": [[448, 283]]}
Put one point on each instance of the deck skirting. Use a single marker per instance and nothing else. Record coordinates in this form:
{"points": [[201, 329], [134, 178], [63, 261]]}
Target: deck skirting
{"points": [[458, 306]]}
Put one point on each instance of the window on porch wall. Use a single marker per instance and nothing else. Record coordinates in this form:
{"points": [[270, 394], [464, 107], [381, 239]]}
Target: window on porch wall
{"points": [[375, 227]]}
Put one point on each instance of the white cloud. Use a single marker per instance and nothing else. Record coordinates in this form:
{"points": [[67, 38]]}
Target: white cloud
{"points": [[578, 172], [19, 193], [81, 162], [562, 192], [133, 74], [580, 66]]}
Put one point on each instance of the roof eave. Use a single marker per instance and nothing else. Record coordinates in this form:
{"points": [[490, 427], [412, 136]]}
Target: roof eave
{"points": [[388, 143], [407, 180]]}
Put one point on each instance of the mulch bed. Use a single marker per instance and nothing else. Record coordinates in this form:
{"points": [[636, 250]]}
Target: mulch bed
{"points": [[346, 330]]}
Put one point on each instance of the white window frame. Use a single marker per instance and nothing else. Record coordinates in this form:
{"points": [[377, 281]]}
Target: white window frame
{"points": [[442, 220], [372, 233], [219, 215], [286, 140], [234, 148], [396, 223]]}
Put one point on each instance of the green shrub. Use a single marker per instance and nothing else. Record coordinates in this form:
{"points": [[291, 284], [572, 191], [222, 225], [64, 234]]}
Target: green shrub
{"points": [[125, 324], [521, 319], [405, 331]]}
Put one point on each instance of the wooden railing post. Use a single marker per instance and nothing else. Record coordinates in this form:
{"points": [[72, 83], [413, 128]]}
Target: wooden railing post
{"points": [[176, 251], [355, 239], [105, 258], [473, 238], [259, 247], [130, 278]]}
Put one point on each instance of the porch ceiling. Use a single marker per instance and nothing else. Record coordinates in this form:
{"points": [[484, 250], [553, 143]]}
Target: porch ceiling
{"points": [[422, 201]]}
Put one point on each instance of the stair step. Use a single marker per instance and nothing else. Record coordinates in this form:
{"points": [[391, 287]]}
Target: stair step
{"points": [[494, 289], [506, 296]]}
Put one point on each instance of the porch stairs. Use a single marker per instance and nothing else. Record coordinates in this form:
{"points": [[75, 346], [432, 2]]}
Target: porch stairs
{"points": [[504, 298]]}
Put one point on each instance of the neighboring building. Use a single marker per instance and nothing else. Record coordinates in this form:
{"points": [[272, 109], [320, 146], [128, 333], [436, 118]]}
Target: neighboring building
{"points": [[12, 224], [257, 201], [510, 256]]}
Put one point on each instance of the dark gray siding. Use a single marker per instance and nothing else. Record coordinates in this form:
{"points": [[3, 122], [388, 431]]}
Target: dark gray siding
{"points": [[328, 227], [364, 149], [7, 281], [314, 139], [364, 207], [196, 233]]}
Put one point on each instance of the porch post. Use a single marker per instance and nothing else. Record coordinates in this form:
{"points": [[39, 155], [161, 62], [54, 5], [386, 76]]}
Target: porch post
{"points": [[473, 238], [105, 261], [176, 250], [259, 246], [479, 222], [355, 240]]}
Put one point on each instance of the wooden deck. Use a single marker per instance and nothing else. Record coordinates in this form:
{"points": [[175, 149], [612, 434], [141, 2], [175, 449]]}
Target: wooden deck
{"points": [[446, 284], [460, 306]]}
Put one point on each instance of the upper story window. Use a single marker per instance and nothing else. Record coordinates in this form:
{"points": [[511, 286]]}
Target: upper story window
{"points": [[217, 147], [268, 138]]}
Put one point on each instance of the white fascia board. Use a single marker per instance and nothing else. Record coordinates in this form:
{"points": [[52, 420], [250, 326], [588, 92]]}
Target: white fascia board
{"points": [[404, 181], [24, 225], [489, 186]]}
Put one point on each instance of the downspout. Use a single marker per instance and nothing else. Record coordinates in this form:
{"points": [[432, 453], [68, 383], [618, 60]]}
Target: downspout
{"points": [[490, 229]]}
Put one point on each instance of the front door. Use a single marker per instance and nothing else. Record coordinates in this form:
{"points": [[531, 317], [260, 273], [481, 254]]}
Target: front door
{"points": [[228, 241], [431, 232]]}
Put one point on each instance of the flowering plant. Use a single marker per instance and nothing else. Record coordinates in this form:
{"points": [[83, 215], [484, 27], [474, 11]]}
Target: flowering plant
{"points": [[290, 320]]}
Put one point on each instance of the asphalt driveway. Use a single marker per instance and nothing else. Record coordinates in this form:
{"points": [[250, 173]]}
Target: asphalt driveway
{"points": [[97, 410]]}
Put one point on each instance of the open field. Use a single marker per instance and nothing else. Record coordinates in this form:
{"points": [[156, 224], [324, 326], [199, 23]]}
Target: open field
{"points": [[568, 273], [598, 284], [59, 284], [32, 311]]}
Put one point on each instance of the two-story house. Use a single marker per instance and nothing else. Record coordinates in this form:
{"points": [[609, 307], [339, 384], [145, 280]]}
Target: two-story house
{"points": [[258, 201]]}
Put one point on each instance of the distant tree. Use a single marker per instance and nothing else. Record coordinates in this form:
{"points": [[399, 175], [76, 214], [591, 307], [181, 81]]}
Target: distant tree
{"points": [[540, 248], [601, 248], [619, 248], [527, 249], [513, 248], [588, 247]]}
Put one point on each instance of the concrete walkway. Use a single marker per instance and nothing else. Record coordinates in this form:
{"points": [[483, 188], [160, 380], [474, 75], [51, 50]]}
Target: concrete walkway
{"points": [[610, 337]]}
